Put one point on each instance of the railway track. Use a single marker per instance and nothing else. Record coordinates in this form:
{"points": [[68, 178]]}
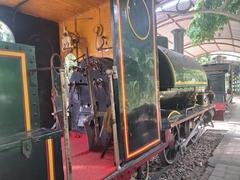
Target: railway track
{"points": [[192, 163], [189, 165]]}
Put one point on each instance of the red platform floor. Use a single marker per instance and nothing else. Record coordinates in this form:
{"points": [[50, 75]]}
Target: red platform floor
{"points": [[88, 165]]}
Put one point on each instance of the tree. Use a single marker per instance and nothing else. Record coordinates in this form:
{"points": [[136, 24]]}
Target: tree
{"points": [[204, 59], [204, 26]]}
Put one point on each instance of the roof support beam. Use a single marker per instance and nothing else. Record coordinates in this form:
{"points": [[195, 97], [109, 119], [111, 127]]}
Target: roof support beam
{"points": [[212, 43], [188, 53], [205, 11], [224, 54], [230, 29], [190, 44]]}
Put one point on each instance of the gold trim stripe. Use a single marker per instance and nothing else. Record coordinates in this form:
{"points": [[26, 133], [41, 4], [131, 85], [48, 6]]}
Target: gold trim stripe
{"points": [[22, 57], [122, 79], [155, 69], [50, 156], [190, 83]]}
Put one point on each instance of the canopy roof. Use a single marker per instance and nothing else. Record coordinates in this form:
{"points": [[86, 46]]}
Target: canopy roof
{"points": [[55, 10], [227, 40]]}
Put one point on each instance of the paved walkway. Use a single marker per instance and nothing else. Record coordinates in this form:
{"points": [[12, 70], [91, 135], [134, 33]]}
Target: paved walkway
{"points": [[226, 157]]}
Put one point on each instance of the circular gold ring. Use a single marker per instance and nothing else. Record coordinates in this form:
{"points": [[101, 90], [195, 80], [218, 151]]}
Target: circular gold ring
{"points": [[131, 25]]}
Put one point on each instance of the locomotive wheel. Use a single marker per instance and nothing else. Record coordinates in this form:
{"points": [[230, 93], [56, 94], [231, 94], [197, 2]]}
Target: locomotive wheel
{"points": [[170, 152]]}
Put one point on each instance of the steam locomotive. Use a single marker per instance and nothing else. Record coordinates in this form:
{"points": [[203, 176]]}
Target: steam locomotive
{"points": [[145, 101], [185, 106]]}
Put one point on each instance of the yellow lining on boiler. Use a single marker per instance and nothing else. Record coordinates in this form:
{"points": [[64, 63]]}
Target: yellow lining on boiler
{"points": [[190, 83]]}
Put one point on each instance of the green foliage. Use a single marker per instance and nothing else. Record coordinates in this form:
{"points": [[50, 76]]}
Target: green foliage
{"points": [[204, 60], [204, 26], [69, 64], [5, 33]]}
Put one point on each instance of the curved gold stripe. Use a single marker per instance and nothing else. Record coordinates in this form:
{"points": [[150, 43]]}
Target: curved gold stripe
{"points": [[131, 25], [171, 65], [173, 113]]}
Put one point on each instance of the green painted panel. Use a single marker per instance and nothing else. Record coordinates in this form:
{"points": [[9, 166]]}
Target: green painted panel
{"points": [[14, 164], [32, 77], [17, 166], [134, 33], [11, 96]]}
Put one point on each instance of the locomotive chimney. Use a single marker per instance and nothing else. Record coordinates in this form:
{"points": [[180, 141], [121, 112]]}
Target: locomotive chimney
{"points": [[178, 35]]}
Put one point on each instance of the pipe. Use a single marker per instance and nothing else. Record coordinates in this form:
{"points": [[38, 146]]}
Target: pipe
{"points": [[111, 75], [66, 127], [178, 35], [16, 8]]}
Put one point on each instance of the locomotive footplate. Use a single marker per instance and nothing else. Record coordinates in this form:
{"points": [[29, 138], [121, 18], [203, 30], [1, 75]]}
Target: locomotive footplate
{"points": [[198, 120], [194, 115]]}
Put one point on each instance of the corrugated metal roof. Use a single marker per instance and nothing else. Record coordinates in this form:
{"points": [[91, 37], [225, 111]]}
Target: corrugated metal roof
{"points": [[227, 40]]}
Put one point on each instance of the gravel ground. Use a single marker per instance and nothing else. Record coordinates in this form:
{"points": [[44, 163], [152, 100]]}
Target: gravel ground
{"points": [[191, 165]]}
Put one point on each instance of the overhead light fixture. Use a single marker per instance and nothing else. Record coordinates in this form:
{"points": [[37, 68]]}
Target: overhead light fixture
{"points": [[169, 4]]}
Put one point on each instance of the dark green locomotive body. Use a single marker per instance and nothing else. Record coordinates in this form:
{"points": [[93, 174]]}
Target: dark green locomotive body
{"points": [[183, 82], [27, 151]]}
